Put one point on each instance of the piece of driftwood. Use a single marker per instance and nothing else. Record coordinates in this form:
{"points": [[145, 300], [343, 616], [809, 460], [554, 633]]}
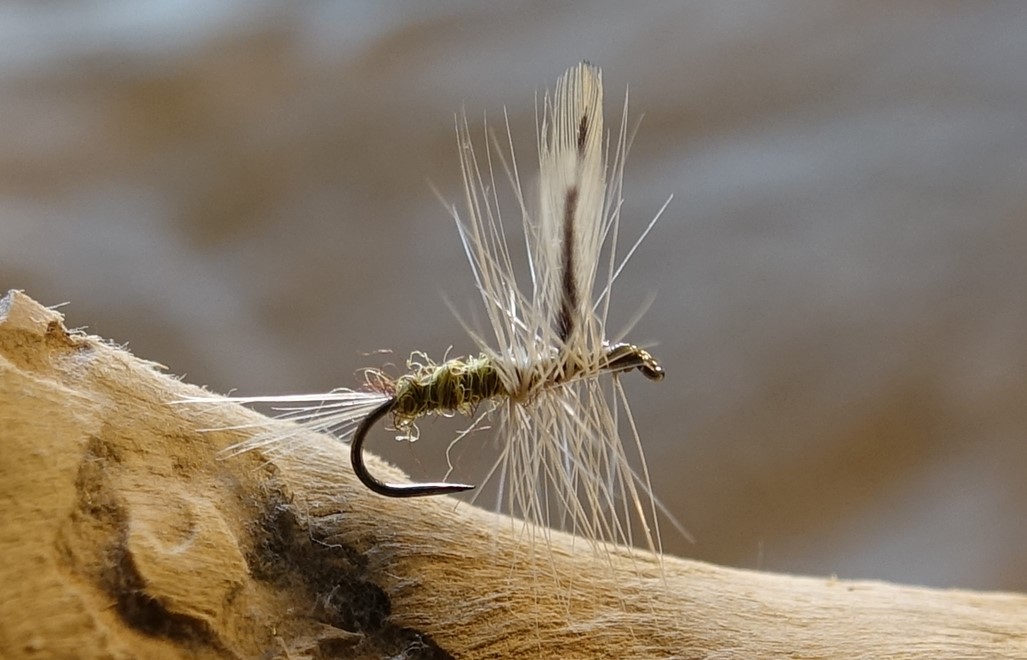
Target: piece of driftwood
{"points": [[125, 535]]}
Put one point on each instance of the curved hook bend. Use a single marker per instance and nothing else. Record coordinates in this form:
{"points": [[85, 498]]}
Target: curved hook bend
{"points": [[356, 455]]}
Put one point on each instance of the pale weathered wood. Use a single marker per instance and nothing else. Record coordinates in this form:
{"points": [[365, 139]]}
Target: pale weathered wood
{"points": [[124, 535]]}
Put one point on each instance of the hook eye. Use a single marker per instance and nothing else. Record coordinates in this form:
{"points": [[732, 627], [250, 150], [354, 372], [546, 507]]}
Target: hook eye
{"points": [[356, 456], [623, 357]]}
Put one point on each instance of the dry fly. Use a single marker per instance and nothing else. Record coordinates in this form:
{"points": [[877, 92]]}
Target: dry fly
{"points": [[549, 381]]}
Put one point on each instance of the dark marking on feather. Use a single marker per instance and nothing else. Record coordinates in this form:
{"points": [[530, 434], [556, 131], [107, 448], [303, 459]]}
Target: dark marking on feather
{"points": [[569, 285], [582, 134]]}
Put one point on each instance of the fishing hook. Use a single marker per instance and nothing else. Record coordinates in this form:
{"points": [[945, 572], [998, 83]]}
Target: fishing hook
{"points": [[356, 455]]}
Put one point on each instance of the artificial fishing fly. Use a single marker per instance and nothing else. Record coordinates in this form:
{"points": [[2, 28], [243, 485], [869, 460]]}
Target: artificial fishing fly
{"points": [[541, 381]]}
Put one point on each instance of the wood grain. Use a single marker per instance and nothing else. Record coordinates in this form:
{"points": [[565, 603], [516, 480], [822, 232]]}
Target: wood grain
{"points": [[125, 535]]}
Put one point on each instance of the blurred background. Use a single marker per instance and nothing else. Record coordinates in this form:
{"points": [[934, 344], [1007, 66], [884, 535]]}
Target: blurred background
{"points": [[243, 192]]}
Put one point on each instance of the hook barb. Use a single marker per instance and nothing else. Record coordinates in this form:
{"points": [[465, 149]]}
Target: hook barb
{"points": [[356, 455]]}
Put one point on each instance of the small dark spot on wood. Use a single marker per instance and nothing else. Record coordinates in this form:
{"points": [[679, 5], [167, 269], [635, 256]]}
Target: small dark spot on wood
{"points": [[338, 585]]}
